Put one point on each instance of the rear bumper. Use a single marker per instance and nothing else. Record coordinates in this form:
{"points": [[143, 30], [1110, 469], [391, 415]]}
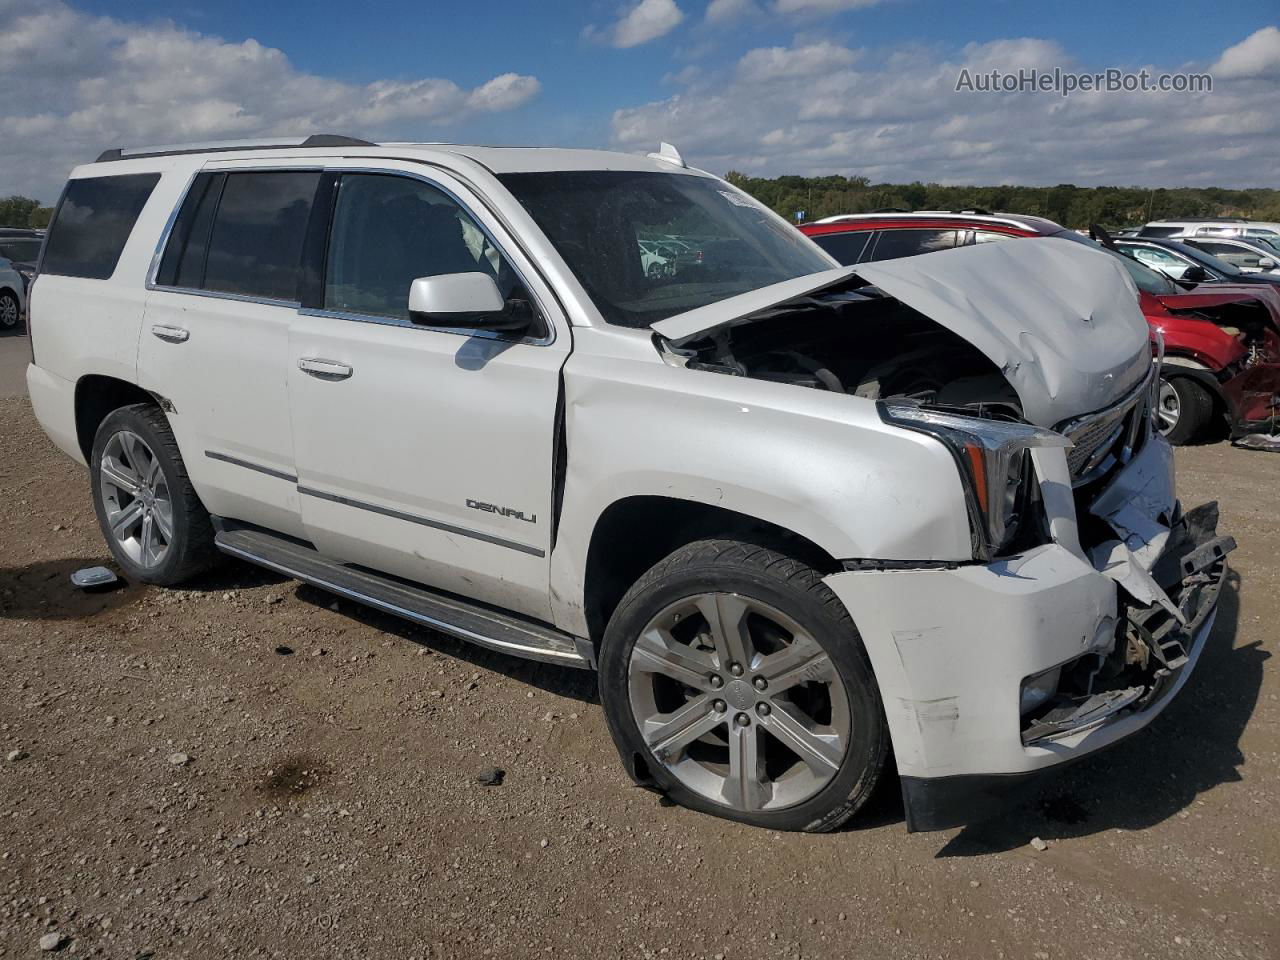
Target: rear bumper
{"points": [[53, 400]]}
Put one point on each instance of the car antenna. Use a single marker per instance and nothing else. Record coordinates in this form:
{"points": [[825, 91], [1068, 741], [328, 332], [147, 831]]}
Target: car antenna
{"points": [[669, 154]]}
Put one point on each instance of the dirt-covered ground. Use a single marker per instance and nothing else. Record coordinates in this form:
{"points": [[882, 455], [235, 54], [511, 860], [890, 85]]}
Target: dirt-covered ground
{"points": [[184, 787]]}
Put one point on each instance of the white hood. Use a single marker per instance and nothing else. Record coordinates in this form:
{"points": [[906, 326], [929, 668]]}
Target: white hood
{"points": [[1059, 319]]}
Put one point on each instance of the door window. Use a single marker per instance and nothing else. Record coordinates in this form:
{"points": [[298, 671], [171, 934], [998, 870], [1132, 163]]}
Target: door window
{"points": [[241, 233], [1158, 259], [1232, 253], [908, 243], [255, 246], [390, 230]]}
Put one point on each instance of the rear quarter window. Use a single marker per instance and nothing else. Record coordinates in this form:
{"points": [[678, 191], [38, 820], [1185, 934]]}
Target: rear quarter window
{"points": [[92, 223], [845, 247]]}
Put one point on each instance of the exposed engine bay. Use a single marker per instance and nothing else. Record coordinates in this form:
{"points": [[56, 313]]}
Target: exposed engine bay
{"points": [[1249, 322], [859, 342]]}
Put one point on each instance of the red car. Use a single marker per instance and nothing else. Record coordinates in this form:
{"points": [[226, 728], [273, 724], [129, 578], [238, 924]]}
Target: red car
{"points": [[1222, 341]]}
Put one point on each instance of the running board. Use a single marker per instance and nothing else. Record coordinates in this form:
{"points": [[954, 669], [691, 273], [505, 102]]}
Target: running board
{"points": [[464, 619]]}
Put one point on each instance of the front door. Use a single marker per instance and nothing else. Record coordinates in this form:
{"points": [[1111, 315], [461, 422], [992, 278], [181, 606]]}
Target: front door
{"points": [[424, 452]]}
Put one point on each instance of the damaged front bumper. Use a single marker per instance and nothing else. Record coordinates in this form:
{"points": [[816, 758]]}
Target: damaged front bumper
{"points": [[1104, 638]]}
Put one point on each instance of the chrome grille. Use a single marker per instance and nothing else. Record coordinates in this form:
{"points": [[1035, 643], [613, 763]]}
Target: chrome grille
{"points": [[1108, 438]]}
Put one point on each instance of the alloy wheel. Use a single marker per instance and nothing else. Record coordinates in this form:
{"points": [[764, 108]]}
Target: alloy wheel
{"points": [[1168, 407], [8, 311], [738, 702], [136, 499]]}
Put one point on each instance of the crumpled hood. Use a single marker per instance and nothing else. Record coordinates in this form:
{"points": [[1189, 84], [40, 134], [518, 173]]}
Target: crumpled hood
{"points": [[1059, 319], [1221, 294]]}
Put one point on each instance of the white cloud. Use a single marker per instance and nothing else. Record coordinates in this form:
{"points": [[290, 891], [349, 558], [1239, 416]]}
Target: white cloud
{"points": [[725, 11], [1258, 55], [894, 115], [647, 20], [75, 84], [820, 6]]}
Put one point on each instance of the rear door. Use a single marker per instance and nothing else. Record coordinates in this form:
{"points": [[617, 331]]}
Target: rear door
{"points": [[425, 452], [215, 339]]}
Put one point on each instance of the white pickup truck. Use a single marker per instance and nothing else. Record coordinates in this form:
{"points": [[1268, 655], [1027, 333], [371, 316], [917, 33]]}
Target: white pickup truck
{"points": [[794, 513]]}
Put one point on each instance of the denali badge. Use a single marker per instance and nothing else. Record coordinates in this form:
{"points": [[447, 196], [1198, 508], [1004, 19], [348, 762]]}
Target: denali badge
{"points": [[504, 511]]}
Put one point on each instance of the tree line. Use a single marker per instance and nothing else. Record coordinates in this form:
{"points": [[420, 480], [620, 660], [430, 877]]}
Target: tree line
{"points": [[1067, 204], [16, 211], [818, 197]]}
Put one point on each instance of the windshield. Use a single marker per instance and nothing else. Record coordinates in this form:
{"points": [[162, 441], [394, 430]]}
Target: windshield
{"points": [[647, 246], [20, 251], [1146, 278]]}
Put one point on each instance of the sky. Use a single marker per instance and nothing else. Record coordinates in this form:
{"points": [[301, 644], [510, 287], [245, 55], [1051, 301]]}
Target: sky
{"points": [[765, 87]]}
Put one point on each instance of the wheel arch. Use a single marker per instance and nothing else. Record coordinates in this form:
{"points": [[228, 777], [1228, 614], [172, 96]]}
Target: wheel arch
{"points": [[96, 397], [635, 532], [1188, 365]]}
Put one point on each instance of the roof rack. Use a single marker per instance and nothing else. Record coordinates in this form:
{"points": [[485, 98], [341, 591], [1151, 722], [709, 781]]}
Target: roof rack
{"points": [[223, 146]]}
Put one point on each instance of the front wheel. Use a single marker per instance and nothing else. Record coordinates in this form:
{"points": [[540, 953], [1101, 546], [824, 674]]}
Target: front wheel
{"points": [[738, 681], [152, 519], [1184, 409]]}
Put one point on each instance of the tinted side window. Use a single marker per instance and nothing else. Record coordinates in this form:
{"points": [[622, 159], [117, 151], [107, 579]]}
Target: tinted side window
{"points": [[990, 236], [907, 243], [184, 255], [93, 222], [1240, 256], [845, 247], [388, 231], [255, 246], [1159, 231]]}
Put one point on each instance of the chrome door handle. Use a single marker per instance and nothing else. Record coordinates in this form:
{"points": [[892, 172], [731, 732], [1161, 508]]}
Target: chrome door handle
{"points": [[169, 334], [324, 369]]}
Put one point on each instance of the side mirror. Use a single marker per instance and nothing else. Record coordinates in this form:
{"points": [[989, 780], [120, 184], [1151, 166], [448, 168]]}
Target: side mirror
{"points": [[1195, 274], [1266, 263], [467, 301]]}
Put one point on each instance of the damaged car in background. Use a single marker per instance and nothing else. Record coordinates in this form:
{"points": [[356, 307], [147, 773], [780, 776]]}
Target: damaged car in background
{"points": [[795, 514]]}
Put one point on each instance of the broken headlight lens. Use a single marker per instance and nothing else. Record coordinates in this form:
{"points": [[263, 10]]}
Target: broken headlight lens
{"points": [[992, 456]]}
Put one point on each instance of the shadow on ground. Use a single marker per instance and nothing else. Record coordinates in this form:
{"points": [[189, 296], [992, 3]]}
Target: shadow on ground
{"points": [[1191, 748], [43, 591]]}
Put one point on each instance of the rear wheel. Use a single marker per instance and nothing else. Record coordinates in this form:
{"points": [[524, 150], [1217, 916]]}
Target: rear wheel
{"points": [[740, 683], [1184, 409], [156, 527], [8, 309]]}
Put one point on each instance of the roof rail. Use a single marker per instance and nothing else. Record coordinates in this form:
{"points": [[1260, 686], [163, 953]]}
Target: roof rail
{"points": [[223, 146]]}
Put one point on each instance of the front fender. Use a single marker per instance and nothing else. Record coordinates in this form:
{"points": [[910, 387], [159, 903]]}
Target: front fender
{"points": [[819, 464]]}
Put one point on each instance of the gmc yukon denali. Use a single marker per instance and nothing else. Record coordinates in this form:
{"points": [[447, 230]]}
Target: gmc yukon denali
{"points": [[609, 412]]}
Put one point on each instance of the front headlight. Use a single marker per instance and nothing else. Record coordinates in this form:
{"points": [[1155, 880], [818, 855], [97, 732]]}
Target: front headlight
{"points": [[992, 457]]}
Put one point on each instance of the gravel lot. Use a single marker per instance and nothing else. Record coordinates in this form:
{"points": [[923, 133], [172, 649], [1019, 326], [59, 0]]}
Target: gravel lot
{"points": [[178, 786]]}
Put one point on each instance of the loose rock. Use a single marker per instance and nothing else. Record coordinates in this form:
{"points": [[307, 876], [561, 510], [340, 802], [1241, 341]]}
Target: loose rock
{"points": [[1039, 844], [491, 777], [179, 759], [52, 941]]}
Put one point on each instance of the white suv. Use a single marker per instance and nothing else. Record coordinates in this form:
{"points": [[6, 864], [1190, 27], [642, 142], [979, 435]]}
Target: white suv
{"points": [[793, 512]]}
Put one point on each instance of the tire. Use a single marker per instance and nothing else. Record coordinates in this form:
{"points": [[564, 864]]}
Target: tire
{"points": [[1185, 408], [10, 312], [700, 729], [168, 538]]}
